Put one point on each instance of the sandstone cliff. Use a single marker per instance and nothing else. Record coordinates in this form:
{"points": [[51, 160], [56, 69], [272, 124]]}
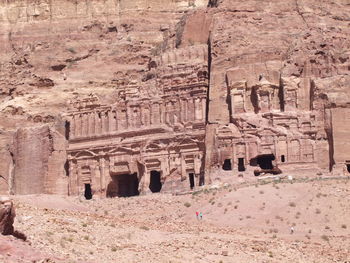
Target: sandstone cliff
{"points": [[54, 51]]}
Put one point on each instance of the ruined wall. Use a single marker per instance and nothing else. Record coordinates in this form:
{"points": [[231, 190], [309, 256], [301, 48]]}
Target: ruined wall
{"points": [[341, 139]]}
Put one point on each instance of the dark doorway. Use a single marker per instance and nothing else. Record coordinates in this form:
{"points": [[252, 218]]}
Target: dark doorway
{"points": [[67, 129], [241, 167], [191, 177], [155, 184], [227, 165], [123, 185], [283, 158], [87, 192], [348, 167], [66, 168], [265, 161]]}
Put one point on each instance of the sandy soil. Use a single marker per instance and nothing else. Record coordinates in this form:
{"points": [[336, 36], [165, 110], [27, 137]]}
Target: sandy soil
{"points": [[239, 224]]}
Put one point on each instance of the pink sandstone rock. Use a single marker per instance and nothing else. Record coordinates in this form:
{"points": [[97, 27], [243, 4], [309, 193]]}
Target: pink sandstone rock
{"points": [[7, 216]]}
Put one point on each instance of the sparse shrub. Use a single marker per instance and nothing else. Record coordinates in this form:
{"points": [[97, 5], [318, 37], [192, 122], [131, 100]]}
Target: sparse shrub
{"points": [[225, 210], [84, 225], [71, 50], [270, 254], [318, 211], [343, 226], [86, 237], [114, 249], [187, 204], [327, 227], [219, 204], [292, 204], [274, 236], [261, 192], [325, 238], [235, 207], [144, 228]]}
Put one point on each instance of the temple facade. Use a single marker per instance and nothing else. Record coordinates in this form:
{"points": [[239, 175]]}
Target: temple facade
{"points": [[156, 137], [151, 139]]}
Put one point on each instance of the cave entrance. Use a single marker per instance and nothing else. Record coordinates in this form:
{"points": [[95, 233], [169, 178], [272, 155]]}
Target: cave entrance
{"points": [[241, 167], [227, 166], [155, 184], [123, 185], [88, 192], [265, 161], [191, 177], [348, 167]]}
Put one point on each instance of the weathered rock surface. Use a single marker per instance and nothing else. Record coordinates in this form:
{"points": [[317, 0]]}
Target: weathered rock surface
{"points": [[7, 216]]}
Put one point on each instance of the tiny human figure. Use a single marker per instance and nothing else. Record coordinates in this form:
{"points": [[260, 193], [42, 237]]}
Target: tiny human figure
{"points": [[292, 230], [197, 215], [200, 216]]}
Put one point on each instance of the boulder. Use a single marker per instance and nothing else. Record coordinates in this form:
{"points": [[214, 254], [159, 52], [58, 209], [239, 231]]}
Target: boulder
{"points": [[7, 216]]}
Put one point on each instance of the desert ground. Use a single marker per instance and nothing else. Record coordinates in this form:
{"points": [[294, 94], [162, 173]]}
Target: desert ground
{"points": [[240, 223]]}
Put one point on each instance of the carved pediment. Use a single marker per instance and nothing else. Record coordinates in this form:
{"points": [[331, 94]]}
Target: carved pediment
{"points": [[84, 154]]}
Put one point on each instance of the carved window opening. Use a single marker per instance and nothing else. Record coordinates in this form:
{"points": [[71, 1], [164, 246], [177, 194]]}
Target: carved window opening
{"points": [[227, 166], [265, 161], [241, 167], [283, 158], [191, 178], [155, 184], [88, 192], [348, 167]]}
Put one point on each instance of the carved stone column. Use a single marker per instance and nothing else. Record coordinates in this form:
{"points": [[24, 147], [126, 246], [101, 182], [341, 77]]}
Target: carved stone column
{"points": [[104, 172], [111, 123], [145, 181], [197, 109], [204, 108], [97, 123], [91, 124], [77, 125], [73, 178], [103, 123], [162, 113], [96, 178], [72, 127]]}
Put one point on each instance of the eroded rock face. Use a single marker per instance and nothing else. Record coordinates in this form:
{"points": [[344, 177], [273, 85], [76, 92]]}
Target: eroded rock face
{"points": [[7, 216], [158, 100], [39, 155]]}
